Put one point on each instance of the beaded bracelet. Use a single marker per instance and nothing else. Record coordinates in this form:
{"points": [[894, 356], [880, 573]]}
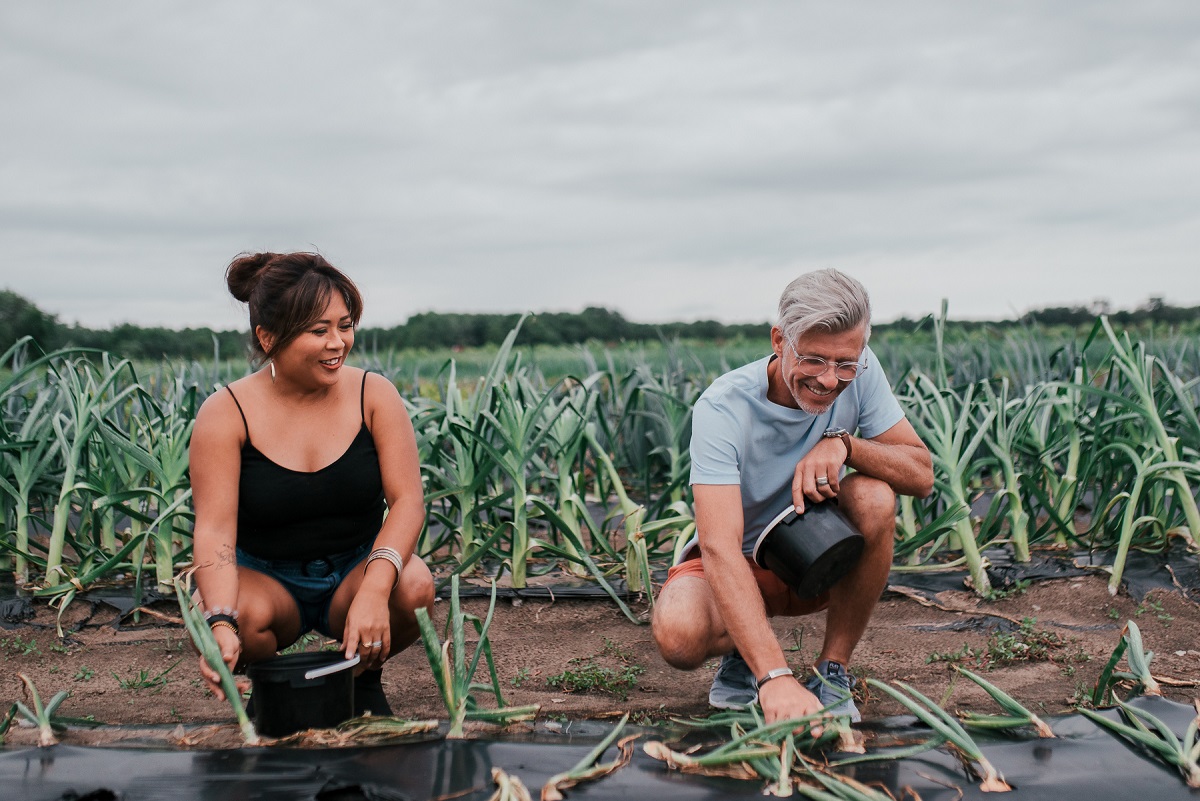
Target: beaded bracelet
{"points": [[391, 555]]}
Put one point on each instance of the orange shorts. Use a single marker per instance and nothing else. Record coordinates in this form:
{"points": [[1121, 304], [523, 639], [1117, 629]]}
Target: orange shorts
{"points": [[778, 597]]}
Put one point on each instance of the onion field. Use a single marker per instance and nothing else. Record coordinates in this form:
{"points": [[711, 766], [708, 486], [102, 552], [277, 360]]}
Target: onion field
{"points": [[579, 463]]}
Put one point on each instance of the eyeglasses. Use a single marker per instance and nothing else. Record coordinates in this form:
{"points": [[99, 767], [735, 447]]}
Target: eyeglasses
{"points": [[813, 366]]}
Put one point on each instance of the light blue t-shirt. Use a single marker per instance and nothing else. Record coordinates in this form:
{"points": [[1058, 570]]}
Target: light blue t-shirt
{"points": [[741, 437]]}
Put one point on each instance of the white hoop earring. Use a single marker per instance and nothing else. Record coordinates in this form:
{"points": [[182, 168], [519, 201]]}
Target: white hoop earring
{"points": [[272, 366]]}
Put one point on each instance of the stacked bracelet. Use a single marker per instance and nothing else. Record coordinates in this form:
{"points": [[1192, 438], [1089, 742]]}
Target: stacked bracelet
{"points": [[391, 555]]}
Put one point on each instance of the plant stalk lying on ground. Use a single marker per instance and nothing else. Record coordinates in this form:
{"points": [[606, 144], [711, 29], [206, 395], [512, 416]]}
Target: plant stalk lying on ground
{"points": [[586, 769], [1154, 735], [937, 719], [1016, 714]]}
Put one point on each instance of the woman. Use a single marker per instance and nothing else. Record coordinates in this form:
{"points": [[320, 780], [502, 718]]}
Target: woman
{"points": [[292, 468]]}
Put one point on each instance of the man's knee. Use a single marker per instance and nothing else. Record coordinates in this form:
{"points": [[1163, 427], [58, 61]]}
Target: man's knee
{"points": [[871, 504], [679, 633]]}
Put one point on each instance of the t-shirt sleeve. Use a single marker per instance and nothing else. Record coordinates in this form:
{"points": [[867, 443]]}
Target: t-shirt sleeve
{"points": [[715, 446], [878, 408]]}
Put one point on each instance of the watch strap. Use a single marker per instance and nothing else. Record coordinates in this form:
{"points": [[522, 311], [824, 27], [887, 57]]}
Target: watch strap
{"points": [[844, 436]]}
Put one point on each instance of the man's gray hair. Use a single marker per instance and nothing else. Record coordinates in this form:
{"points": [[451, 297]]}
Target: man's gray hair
{"points": [[824, 300]]}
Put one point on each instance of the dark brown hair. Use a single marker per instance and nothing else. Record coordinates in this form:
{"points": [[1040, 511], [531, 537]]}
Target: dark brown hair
{"points": [[287, 292]]}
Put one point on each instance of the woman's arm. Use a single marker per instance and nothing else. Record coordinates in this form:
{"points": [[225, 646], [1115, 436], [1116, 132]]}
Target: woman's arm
{"points": [[214, 460], [400, 468]]}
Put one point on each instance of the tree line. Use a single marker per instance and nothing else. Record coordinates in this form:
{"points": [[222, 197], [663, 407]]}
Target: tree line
{"points": [[20, 317]]}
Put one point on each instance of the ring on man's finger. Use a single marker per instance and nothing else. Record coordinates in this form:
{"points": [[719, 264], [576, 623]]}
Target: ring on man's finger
{"points": [[375, 644], [822, 481]]}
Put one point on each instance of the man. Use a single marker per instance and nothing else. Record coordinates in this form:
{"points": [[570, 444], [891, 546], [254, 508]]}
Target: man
{"points": [[776, 432]]}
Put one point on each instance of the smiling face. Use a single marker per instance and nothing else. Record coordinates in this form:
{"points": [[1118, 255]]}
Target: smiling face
{"points": [[318, 354], [787, 386]]}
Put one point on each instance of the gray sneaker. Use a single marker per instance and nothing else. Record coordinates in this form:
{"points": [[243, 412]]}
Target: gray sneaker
{"points": [[832, 686], [734, 686]]}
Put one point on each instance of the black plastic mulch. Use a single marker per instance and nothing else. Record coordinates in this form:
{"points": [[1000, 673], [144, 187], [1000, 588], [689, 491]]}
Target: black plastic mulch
{"points": [[1085, 763], [1175, 570]]}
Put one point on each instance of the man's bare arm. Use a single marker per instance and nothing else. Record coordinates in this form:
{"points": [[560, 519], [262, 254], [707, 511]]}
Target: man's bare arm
{"points": [[897, 457], [720, 527]]}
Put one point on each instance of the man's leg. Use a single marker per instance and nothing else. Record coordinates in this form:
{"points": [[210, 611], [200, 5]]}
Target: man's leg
{"points": [[687, 626], [871, 505]]}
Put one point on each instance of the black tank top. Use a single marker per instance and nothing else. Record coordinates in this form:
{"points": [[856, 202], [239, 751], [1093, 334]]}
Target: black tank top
{"points": [[289, 514]]}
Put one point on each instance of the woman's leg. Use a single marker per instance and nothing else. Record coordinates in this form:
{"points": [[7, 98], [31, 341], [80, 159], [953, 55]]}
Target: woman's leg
{"points": [[413, 591], [268, 617]]}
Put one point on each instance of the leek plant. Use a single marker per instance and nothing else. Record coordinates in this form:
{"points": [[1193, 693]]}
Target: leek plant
{"points": [[88, 400], [455, 675], [943, 419], [28, 458], [1138, 368], [206, 644], [41, 715]]}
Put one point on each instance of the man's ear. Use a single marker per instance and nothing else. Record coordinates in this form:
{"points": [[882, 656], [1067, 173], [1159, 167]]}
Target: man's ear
{"points": [[777, 341]]}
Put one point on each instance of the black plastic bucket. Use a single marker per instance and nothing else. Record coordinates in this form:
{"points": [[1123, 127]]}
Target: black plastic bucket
{"points": [[812, 551], [285, 702]]}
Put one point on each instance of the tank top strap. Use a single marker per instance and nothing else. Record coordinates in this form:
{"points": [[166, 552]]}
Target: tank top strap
{"points": [[362, 400], [245, 425]]}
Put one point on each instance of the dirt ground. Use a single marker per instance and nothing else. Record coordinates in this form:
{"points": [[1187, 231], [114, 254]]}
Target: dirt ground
{"points": [[144, 677]]}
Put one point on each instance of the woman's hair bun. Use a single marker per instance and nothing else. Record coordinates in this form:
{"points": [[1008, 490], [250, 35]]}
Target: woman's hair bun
{"points": [[244, 273]]}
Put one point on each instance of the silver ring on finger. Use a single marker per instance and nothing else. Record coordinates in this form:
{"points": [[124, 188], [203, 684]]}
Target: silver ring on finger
{"points": [[822, 481], [375, 644]]}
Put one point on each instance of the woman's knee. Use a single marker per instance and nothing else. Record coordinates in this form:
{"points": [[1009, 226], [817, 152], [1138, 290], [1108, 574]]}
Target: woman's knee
{"points": [[415, 590]]}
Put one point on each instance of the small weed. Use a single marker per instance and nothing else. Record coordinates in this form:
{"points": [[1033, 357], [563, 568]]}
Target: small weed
{"points": [[1026, 644], [522, 676], [1018, 587], [1082, 697], [589, 677], [60, 648], [54, 668], [144, 680], [797, 640], [585, 675], [1113, 614], [19, 647], [1154, 605], [85, 673], [616, 651], [964, 654]]}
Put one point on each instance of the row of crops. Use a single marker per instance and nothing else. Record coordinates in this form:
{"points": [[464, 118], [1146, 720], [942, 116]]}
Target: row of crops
{"points": [[1088, 442]]}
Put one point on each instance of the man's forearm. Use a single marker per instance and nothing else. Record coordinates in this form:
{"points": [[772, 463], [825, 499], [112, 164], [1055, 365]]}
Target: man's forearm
{"points": [[907, 469], [742, 610]]}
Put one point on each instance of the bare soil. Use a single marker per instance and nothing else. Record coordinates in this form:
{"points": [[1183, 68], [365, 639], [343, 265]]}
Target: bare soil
{"points": [[144, 678]]}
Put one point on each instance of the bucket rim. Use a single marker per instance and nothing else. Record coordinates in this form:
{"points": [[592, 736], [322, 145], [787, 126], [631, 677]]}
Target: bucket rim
{"points": [[791, 507]]}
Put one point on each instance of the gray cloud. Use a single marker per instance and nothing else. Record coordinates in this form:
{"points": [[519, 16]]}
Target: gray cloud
{"points": [[670, 160]]}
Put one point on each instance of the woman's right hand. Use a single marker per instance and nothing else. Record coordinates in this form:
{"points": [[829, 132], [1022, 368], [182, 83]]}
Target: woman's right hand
{"points": [[231, 651]]}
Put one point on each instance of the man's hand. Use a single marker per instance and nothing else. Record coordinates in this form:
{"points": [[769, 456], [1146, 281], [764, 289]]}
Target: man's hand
{"points": [[816, 476], [785, 698]]}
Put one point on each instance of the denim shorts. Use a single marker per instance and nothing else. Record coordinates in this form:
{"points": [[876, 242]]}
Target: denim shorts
{"points": [[310, 583]]}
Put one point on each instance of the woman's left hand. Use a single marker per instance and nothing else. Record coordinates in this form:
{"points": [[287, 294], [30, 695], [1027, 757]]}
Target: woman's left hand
{"points": [[368, 630]]}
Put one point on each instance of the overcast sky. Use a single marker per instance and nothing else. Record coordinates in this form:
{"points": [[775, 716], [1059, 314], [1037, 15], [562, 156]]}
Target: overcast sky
{"points": [[671, 160]]}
